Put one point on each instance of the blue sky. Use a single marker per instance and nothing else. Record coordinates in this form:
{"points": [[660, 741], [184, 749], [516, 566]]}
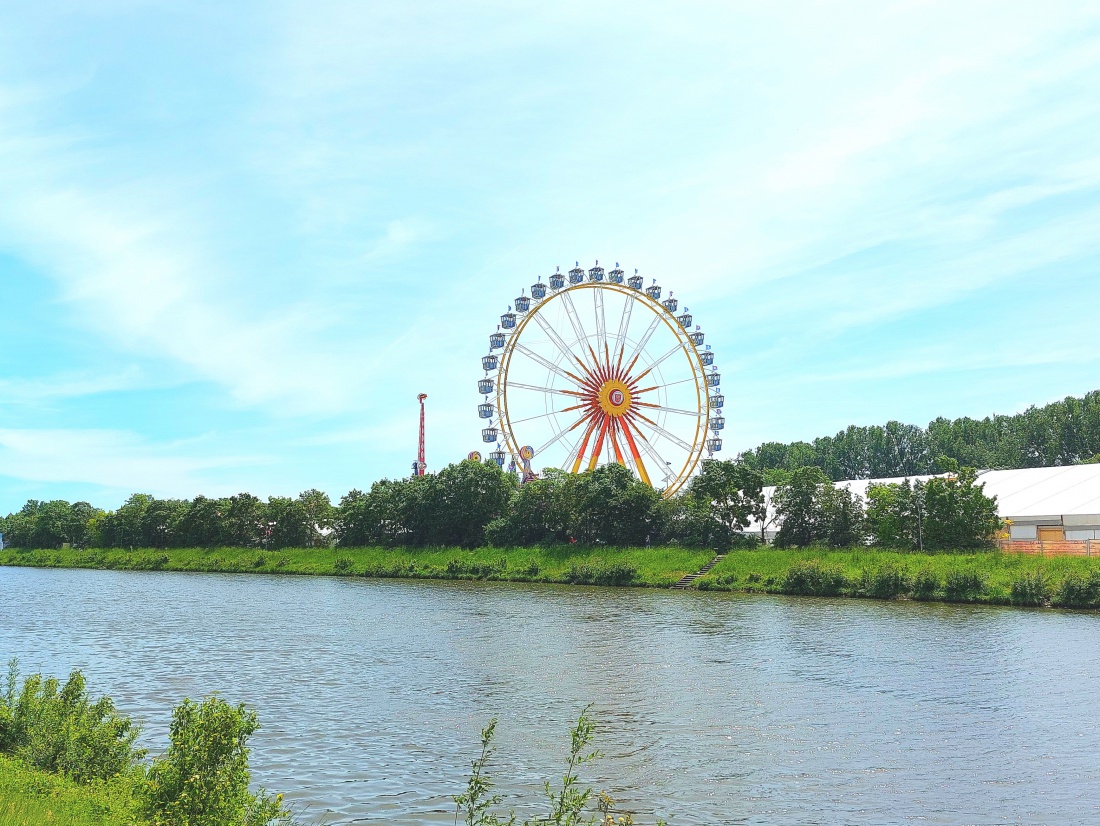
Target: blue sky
{"points": [[237, 239]]}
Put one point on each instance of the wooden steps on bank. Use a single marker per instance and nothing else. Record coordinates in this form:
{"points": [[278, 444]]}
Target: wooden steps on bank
{"points": [[688, 580]]}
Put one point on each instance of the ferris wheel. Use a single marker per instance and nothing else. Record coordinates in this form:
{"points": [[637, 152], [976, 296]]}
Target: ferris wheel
{"points": [[594, 368]]}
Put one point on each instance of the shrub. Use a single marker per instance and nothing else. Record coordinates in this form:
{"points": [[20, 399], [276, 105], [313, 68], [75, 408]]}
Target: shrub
{"points": [[341, 565], [888, 581], [59, 729], [926, 583], [1077, 591], [1030, 589], [203, 778], [812, 577], [616, 573], [962, 584]]}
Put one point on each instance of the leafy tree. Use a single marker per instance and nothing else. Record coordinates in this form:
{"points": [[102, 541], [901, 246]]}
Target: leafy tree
{"points": [[722, 500], [799, 505], [123, 528], [243, 521], [160, 522], [944, 513], [285, 523], [843, 523], [201, 525], [960, 515], [472, 495], [612, 506], [319, 515]]}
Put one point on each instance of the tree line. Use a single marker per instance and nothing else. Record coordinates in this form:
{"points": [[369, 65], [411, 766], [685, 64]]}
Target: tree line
{"points": [[1061, 433], [470, 504]]}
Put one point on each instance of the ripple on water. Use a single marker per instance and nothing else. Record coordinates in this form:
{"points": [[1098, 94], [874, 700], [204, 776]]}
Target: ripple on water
{"points": [[712, 708]]}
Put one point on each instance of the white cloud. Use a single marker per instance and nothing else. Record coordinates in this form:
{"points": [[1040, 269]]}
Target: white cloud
{"points": [[113, 459]]}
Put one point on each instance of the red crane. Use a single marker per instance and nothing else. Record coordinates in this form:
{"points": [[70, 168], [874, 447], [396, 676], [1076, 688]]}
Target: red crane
{"points": [[420, 465]]}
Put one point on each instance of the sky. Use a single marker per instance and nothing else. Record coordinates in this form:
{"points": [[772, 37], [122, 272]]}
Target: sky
{"points": [[238, 239]]}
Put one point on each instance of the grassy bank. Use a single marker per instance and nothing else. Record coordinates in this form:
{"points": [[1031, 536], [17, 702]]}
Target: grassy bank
{"points": [[988, 577], [29, 797], [655, 567]]}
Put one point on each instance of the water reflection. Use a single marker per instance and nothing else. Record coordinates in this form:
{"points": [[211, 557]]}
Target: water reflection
{"points": [[714, 708]]}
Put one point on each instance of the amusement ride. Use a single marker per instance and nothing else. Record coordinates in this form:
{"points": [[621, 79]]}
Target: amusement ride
{"points": [[593, 368]]}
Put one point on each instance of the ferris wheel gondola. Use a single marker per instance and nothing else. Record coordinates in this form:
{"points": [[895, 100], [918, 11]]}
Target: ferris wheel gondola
{"points": [[599, 371]]}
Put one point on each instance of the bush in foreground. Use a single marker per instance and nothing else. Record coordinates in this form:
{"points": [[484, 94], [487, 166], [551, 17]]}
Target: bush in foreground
{"points": [[59, 729]]}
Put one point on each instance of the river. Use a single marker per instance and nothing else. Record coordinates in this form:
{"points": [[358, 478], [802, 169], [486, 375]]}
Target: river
{"points": [[712, 708]]}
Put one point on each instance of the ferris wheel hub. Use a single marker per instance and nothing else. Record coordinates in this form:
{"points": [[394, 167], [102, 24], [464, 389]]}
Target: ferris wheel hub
{"points": [[614, 397]]}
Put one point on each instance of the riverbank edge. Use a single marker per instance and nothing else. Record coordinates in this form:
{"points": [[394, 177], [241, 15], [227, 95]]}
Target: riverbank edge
{"points": [[990, 577]]}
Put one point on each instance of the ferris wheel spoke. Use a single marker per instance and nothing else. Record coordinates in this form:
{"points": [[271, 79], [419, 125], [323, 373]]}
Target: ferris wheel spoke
{"points": [[599, 443], [639, 465], [678, 348], [624, 323], [642, 342], [560, 435], [664, 409], [549, 365], [574, 319], [540, 416], [658, 460], [660, 431], [595, 420], [554, 337], [517, 385], [660, 386], [615, 442], [601, 321]]}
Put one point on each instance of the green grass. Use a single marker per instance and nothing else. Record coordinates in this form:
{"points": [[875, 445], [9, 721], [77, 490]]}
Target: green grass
{"points": [[979, 577], [655, 567], [33, 798], [989, 577]]}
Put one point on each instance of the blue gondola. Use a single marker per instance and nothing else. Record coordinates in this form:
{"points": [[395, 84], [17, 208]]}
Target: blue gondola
{"points": [[654, 291], [489, 362], [707, 357], [714, 379], [717, 423], [576, 275], [635, 281], [616, 275], [484, 386], [485, 410], [696, 337], [508, 320], [557, 281], [714, 445], [489, 434], [717, 401], [670, 303], [538, 291], [685, 319], [596, 273], [497, 456], [496, 340], [523, 304]]}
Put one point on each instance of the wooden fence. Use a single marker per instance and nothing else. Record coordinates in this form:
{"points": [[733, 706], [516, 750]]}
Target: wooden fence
{"points": [[1064, 547]]}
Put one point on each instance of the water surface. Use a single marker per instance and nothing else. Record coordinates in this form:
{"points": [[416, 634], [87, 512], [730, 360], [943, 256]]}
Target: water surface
{"points": [[713, 708]]}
